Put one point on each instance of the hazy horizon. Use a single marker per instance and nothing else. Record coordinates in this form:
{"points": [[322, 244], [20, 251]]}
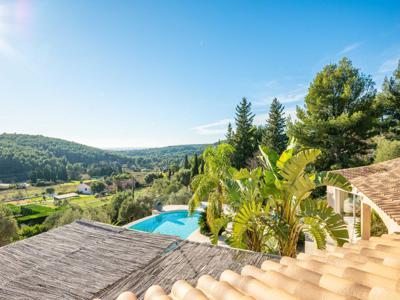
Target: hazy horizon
{"points": [[145, 74]]}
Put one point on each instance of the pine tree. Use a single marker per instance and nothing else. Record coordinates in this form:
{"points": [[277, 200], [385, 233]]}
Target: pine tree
{"points": [[389, 101], [186, 164], [244, 142], [230, 134], [274, 134], [195, 166], [338, 117]]}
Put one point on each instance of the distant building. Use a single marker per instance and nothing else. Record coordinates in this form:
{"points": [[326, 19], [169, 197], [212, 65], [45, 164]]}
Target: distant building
{"points": [[83, 188]]}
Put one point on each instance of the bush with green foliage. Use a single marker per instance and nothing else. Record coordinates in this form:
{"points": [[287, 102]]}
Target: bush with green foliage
{"points": [[73, 213], [183, 176], [98, 187], [8, 226], [386, 150], [115, 204], [29, 231], [133, 208], [50, 190], [149, 178], [203, 225]]}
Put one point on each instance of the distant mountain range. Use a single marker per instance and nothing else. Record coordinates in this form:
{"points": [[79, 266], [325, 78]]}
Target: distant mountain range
{"points": [[22, 154]]}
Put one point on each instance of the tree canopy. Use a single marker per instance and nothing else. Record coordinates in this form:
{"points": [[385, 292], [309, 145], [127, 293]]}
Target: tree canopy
{"points": [[389, 101], [338, 117]]}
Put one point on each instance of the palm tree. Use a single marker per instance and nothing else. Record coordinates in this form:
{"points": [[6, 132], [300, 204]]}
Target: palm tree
{"points": [[276, 205], [210, 186]]}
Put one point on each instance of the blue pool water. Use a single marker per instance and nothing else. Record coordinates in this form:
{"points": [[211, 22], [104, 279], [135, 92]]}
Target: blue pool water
{"points": [[177, 223]]}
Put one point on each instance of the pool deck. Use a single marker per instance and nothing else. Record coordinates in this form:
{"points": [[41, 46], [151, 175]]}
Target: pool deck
{"points": [[196, 236]]}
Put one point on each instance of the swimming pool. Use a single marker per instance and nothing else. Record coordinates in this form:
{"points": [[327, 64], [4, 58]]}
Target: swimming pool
{"points": [[177, 223]]}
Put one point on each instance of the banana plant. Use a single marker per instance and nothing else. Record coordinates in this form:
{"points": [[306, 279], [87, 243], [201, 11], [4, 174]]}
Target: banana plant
{"points": [[277, 204]]}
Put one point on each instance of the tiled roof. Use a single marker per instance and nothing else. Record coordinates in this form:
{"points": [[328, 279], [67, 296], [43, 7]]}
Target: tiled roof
{"points": [[380, 183], [367, 270]]}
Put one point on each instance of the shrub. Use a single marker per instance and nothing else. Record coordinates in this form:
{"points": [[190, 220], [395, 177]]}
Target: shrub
{"points": [[8, 226], [98, 187], [134, 208], [50, 190], [204, 228], [149, 178], [73, 213], [180, 197], [386, 150], [183, 176], [115, 204], [29, 231]]}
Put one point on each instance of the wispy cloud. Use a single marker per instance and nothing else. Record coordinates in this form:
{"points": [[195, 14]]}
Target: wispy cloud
{"points": [[219, 128], [293, 95], [215, 128], [349, 48], [389, 65]]}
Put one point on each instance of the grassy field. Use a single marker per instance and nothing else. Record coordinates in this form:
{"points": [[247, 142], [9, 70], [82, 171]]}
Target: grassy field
{"points": [[36, 212], [35, 193]]}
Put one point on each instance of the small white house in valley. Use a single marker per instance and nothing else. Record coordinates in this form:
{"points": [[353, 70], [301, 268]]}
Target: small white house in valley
{"points": [[376, 187], [83, 188]]}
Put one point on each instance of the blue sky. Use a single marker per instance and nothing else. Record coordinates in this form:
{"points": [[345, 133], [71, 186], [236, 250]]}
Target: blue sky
{"points": [[154, 73]]}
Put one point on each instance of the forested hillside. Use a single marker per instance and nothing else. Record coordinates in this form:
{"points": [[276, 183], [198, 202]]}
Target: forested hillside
{"points": [[36, 157], [164, 157]]}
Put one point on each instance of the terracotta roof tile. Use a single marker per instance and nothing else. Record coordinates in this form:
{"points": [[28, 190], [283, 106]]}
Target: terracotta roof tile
{"points": [[380, 183], [367, 270]]}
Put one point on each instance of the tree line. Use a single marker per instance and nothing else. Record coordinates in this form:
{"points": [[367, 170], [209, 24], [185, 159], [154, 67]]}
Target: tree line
{"points": [[343, 115]]}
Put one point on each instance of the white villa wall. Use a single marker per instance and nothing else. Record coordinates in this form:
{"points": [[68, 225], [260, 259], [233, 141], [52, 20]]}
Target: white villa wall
{"points": [[334, 194]]}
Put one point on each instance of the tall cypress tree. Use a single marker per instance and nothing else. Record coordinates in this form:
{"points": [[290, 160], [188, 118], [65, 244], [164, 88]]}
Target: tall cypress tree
{"points": [[230, 134], [195, 166], [186, 164], [244, 141], [274, 135], [339, 116]]}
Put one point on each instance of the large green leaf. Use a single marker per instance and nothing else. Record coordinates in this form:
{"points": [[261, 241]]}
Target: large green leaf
{"points": [[269, 157], [332, 179], [320, 219], [247, 219], [295, 166]]}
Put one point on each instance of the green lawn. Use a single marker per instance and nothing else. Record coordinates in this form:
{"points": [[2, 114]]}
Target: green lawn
{"points": [[34, 194]]}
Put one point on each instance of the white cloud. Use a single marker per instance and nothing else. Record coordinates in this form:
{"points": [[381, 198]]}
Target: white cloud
{"points": [[389, 65], [219, 128], [294, 95], [349, 48], [215, 128]]}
